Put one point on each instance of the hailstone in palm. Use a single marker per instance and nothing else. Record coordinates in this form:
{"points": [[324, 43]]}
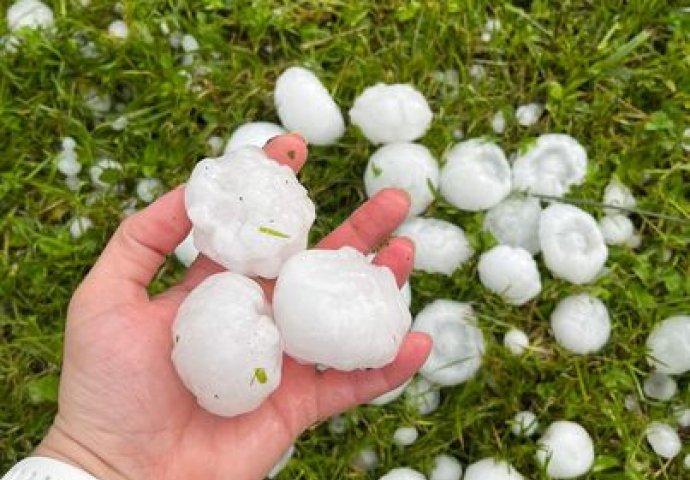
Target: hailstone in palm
{"points": [[491, 469], [253, 133], [669, 345], [335, 309], [446, 468], [29, 14], [515, 221], [403, 474], [510, 272], [249, 213], [227, 353], [407, 166], [567, 450], [663, 439], [581, 324]]}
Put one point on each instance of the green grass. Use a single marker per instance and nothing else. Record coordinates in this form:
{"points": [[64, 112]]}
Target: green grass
{"points": [[614, 74]]}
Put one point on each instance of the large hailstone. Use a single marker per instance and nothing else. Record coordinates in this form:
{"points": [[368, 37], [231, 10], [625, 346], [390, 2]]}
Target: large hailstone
{"points": [[336, 309], [581, 324], [669, 345], [446, 468], [663, 439], [554, 164], [408, 166], [617, 194], [475, 176], [492, 469], [567, 448], [403, 474], [572, 244], [305, 106], [227, 353], [458, 344], [440, 246], [510, 272], [253, 133], [616, 229], [29, 14], [249, 213], [529, 114], [391, 113], [515, 221]]}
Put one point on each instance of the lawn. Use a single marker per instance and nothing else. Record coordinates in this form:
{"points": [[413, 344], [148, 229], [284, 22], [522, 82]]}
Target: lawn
{"points": [[614, 74]]}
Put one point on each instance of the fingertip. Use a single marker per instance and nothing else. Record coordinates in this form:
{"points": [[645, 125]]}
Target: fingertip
{"points": [[398, 256], [290, 150], [396, 196]]}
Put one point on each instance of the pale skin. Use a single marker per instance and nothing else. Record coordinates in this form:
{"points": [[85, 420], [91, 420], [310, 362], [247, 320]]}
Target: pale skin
{"points": [[122, 411]]}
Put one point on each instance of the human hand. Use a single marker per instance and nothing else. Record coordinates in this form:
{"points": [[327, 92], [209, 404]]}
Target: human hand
{"points": [[123, 412]]}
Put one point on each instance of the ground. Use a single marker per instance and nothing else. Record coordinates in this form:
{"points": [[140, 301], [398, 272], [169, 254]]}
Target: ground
{"points": [[614, 74]]}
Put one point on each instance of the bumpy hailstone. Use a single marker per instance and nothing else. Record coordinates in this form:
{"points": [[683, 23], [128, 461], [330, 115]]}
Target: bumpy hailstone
{"points": [[403, 474], [148, 189], [67, 162], [189, 43], [516, 341], [186, 252], [458, 345], [525, 424], [366, 460], [510, 272], [390, 396], [408, 166], [581, 324], [227, 353], [404, 436], [663, 439], [515, 221], [498, 123], [446, 468], [323, 304], [528, 114], [118, 29], [568, 449], [440, 246], [669, 345], [249, 213], [572, 244], [30, 14], [491, 468], [282, 462], [305, 106], [391, 113], [476, 175], [79, 226], [616, 229], [660, 386], [102, 166], [256, 134], [618, 195], [554, 164], [422, 395]]}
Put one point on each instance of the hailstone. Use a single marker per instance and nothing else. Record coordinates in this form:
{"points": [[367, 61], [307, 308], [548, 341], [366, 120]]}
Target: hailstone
{"points": [[390, 396], [67, 162], [660, 386], [515, 221], [554, 164], [475, 176], [29, 14], [79, 226], [616, 229], [148, 189], [422, 395], [525, 424], [186, 252], [581, 324], [215, 145], [669, 345], [403, 474], [682, 416], [391, 113], [618, 195], [516, 341], [253, 133], [458, 344], [118, 29], [404, 436], [498, 123], [249, 213], [663, 439], [446, 468], [408, 166], [572, 244], [567, 448], [227, 353], [510, 272], [440, 246], [337, 425], [366, 459], [528, 114], [336, 309], [491, 469], [120, 123], [305, 106], [104, 166]]}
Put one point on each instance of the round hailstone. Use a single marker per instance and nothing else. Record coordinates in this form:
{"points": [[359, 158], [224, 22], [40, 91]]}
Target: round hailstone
{"points": [[498, 123], [79, 226], [446, 468], [305, 106], [403, 474], [337, 425], [256, 134], [391, 113], [581, 324], [631, 403], [72, 183], [572, 244], [29, 14], [120, 123], [458, 344], [515, 221], [97, 103], [366, 460], [551, 166], [516, 341], [663, 439], [67, 163], [660, 386], [567, 448], [669, 345], [118, 29], [525, 424], [324, 302], [528, 114], [282, 462], [682, 416], [616, 229], [189, 44], [510, 272], [186, 252], [493, 469], [440, 246], [390, 396], [408, 166], [228, 354], [422, 395], [475, 176], [404, 436], [250, 214], [148, 189], [103, 166], [618, 195]]}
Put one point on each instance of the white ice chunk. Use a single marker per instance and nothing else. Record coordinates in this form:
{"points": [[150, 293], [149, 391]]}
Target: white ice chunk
{"points": [[616, 229], [118, 29], [422, 395], [104, 166], [510, 272], [663, 439], [491, 469], [581, 324], [491, 26], [98, 103], [669, 345], [477, 72], [618, 195], [682, 416], [516, 341], [366, 459], [256, 134], [515, 221], [404, 436], [148, 189], [403, 474], [498, 123], [72, 183], [186, 252], [67, 163], [525, 424], [567, 448], [120, 123], [660, 386], [189, 44], [446, 468], [29, 14], [529, 114], [79, 226]]}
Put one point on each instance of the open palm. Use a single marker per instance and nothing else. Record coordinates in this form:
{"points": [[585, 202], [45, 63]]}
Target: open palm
{"points": [[123, 413]]}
